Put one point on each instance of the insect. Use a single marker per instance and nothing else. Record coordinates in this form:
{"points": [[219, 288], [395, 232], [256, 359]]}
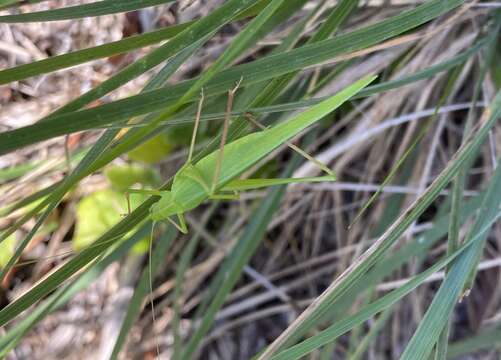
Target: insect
{"points": [[215, 176]]}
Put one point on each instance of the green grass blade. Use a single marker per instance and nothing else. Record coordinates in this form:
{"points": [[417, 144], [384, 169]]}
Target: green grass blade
{"points": [[378, 324], [62, 295], [106, 50], [238, 258], [365, 313], [370, 90], [97, 8], [256, 71], [184, 262], [452, 288], [489, 61], [485, 340], [74, 265], [55, 197], [85, 55], [335, 19], [357, 269], [11, 3], [143, 287]]}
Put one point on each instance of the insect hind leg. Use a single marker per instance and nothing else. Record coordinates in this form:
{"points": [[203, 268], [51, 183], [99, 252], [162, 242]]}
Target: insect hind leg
{"points": [[235, 195], [297, 149], [224, 135], [182, 223]]}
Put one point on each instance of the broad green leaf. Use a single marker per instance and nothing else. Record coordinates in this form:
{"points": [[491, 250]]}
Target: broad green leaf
{"points": [[153, 150], [7, 249], [123, 177], [95, 214]]}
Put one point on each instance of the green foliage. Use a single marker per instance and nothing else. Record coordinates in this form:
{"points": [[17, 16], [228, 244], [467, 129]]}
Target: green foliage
{"points": [[7, 248], [281, 80], [123, 177], [97, 8], [153, 150], [97, 213]]}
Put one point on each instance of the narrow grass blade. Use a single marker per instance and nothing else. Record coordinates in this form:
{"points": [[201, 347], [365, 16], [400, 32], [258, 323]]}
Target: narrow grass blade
{"points": [[342, 326], [74, 265], [54, 199], [335, 19], [357, 269], [261, 70], [62, 295], [113, 48], [371, 335], [97, 8], [143, 286], [63, 61], [452, 288], [485, 340], [239, 257]]}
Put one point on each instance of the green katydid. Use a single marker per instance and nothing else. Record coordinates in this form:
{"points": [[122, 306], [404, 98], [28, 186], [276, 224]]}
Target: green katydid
{"points": [[215, 176]]}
